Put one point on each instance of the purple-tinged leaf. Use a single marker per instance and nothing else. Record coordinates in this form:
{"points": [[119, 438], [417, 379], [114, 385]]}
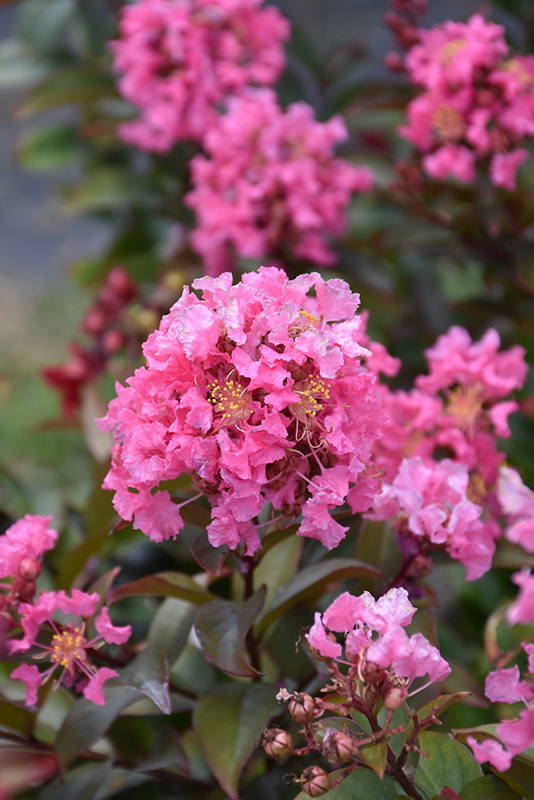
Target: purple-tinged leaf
{"points": [[208, 557], [221, 627], [163, 584]]}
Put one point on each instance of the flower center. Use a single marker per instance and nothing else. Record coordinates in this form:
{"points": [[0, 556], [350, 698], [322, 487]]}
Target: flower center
{"points": [[449, 50], [515, 66], [68, 648], [305, 322], [230, 400], [448, 123], [314, 394], [464, 405]]}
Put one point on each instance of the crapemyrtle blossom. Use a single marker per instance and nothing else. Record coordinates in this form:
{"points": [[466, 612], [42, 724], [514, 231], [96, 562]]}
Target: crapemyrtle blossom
{"points": [[517, 503], [180, 59], [512, 735], [258, 392], [69, 647], [21, 550], [270, 184], [478, 101], [522, 609], [376, 642]]}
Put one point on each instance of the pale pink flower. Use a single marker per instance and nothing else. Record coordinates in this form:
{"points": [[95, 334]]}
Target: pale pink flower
{"points": [[375, 633], [180, 59], [270, 182], [69, 647], [517, 502], [522, 609], [271, 403]]}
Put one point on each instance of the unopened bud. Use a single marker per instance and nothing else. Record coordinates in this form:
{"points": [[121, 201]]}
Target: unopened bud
{"points": [[29, 569], [26, 591], [277, 743], [7, 623], [371, 672], [395, 697], [315, 781], [338, 746], [394, 62], [301, 706]]}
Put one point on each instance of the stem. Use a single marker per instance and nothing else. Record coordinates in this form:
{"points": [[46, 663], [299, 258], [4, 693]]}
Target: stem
{"points": [[396, 769]]}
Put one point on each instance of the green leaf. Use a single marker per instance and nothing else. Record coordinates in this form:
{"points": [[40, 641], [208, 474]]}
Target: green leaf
{"points": [[278, 567], [445, 762], [86, 723], [149, 674], [221, 628], [437, 707], [16, 718], [520, 777], [308, 583], [68, 86], [170, 626], [362, 784], [488, 787], [18, 66], [82, 783], [41, 23], [102, 189], [48, 148], [163, 584], [375, 755], [228, 722]]}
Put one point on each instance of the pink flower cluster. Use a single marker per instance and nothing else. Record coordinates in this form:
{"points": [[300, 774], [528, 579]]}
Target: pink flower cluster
{"points": [[69, 646], [456, 410], [517, 503], [478, 101], [181, 59], [270, 184], [375, 638], [21, 550], [257, 391]]}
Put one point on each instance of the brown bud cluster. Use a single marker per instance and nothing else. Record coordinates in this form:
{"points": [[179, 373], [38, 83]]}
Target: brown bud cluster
{"points": [[315, 781], [277, 743], [338, 746]]}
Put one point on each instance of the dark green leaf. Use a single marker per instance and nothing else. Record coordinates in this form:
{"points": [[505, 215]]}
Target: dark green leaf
{"points": [[311, 580], [86, 723], [445, 762], [167, 752], [520, 777], [102, 189], [149, 673], [163, 584], [50, 147], [221, 628], [16, 718], [228, 722], [82, 783], [18, 66], [170, 626], [69, 86], [362, 784], [488, 787]]}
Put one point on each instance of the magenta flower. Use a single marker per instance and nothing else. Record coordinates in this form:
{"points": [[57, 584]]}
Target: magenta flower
{"points": [[477, 104], [375, 637], [180, 59], [21, 550], [517, 503], [69, 647], [270, 184], [522, 609], [258, 392]]}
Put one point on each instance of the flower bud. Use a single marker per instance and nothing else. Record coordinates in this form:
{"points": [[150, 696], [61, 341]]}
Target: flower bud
{"points": [[301, 706], [371, 672], [277, 743], [395, 696], [29, 569], [338, 746], [315, 781], [26, 591]]}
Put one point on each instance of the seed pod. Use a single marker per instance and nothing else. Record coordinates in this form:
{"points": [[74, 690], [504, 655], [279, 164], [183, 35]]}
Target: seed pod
{"points": [[277, 743], [315, 781], [338, 746], [301, 706]]}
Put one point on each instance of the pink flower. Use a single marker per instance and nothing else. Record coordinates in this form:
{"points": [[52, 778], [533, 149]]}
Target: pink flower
{"points": [[492, 751], [504, 167], [69, 647], [448, 160], [522, 610], [181, 59], [28, 538], [375, 634], [517, 502], [270, 181], [271, 404]]}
